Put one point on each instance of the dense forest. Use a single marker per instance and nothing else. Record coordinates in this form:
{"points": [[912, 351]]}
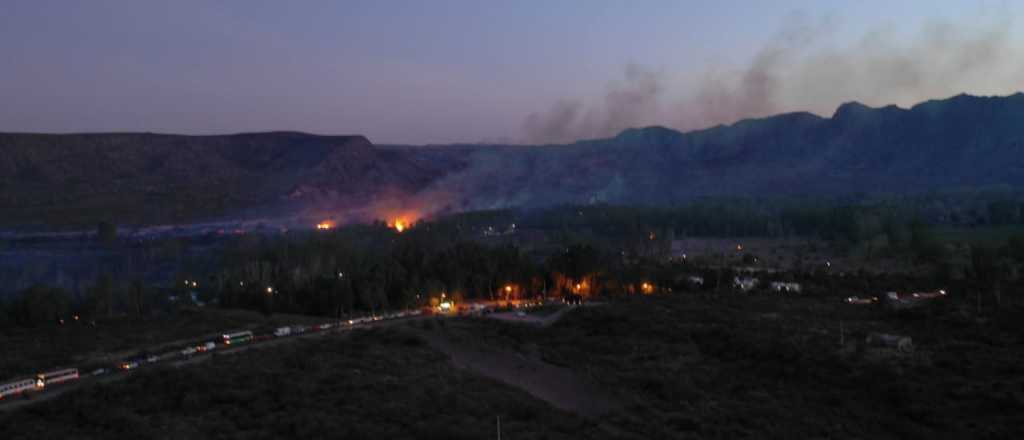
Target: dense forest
{"points": [[590, 250]]}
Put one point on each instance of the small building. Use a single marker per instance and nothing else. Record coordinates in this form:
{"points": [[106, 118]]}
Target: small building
{"points": [[784, 287], [744, 283]]}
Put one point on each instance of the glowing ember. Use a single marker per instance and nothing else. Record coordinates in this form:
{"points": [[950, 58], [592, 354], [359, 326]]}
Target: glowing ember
{"points": [[399, 225]]}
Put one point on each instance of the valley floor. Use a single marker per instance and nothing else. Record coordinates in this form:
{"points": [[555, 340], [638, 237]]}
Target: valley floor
{"points": [[674, 366]]}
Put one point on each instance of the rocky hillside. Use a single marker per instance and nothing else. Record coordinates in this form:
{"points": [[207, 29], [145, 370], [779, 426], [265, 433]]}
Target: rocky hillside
{"points": [[962, 141], [153, 178]]}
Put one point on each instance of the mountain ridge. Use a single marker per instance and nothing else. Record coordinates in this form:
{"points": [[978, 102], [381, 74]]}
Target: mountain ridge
{"points": [[145, 178]]}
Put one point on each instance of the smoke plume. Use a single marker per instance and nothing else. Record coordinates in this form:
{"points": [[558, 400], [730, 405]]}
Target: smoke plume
{"points": [[627, 103], [797, 70]]}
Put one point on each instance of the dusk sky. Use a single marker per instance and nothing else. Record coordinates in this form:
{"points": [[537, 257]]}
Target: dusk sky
{"points": [[469, 71]]}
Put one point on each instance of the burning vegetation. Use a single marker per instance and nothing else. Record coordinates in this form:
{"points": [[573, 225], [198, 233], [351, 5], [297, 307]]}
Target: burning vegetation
{"points": [[401, 223]]}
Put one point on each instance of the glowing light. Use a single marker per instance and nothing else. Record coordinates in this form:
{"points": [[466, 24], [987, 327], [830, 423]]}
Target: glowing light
{"points": [[508, 288], [323, 226]]}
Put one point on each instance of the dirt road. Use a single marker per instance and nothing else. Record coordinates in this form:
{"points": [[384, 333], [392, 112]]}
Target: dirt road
{"points": [[556, 385]]}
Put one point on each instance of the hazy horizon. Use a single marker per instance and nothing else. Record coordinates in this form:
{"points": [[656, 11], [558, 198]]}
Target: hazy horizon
{"points": [[465, 72]]}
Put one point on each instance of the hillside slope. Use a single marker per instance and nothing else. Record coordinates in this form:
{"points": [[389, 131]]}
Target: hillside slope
{"points": [[155, 178], [129, 178]]}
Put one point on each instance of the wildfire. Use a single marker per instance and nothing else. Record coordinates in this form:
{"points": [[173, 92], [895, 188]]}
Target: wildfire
{"points": [[399, 224], [323, 226]]}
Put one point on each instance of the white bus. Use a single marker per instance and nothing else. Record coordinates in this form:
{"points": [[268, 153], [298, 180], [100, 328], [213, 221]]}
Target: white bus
{"points": [[17, 387], [54, 377]]}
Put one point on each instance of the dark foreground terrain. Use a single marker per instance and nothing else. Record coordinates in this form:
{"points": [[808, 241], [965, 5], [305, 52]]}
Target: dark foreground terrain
{"points": [[677, 366]]}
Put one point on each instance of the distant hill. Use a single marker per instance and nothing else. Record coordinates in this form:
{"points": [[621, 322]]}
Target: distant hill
{"points": [[144, 178], [962, 141]]}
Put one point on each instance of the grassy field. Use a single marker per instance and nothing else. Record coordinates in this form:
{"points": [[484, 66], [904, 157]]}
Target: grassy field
{"points": [[765, 366], [992, 235]]}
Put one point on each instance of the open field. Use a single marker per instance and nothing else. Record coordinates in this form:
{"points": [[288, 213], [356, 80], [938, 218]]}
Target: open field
{"points": [[990, 235], [694, 365], [369, 384], [769, 366]]}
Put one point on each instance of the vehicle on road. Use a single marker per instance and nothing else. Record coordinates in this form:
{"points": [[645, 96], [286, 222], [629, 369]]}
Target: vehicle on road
{"points": [[189, 351], [237, 337], [100, 371], [282, 331], [16, 387], [55, 377], [128, 365], [202, 348]]}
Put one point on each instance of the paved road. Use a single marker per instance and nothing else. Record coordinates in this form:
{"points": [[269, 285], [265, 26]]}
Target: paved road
{"points": [[15, 402], [12, 403]]}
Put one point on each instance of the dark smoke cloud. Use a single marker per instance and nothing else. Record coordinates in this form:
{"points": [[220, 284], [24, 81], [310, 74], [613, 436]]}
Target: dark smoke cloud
{"points": [[797, 71]]}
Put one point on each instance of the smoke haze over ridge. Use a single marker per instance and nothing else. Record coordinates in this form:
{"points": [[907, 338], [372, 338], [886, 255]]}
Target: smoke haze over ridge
{"points": [[797, 70]]}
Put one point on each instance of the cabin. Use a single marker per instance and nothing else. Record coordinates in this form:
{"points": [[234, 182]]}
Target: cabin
{"points": [[784, 287], [744, 283]]}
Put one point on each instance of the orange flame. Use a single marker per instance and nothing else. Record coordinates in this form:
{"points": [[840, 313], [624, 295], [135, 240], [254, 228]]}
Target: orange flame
{"points": [[323, 226], [402, 223]]}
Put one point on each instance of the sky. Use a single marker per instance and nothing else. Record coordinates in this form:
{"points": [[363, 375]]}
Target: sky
{"points": [[444, 71]]}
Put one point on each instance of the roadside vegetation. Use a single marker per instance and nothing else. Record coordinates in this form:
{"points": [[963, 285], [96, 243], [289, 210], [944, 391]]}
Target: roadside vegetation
{"points": [[763, 365], [84, 342], [370, 385]]}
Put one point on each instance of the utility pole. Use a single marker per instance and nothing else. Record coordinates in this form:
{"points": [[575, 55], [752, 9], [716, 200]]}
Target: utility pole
{"points": [[499, 427]]}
